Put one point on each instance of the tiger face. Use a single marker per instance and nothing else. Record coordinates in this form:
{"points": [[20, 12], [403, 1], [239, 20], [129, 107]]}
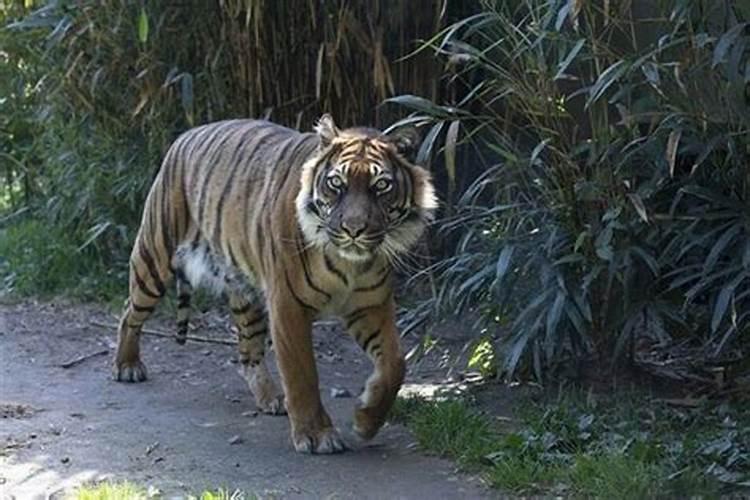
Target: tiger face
{"points": [[361, 196]]}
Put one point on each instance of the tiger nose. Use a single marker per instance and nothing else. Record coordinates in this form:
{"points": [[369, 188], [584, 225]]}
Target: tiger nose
{"points": [[353, 227]]}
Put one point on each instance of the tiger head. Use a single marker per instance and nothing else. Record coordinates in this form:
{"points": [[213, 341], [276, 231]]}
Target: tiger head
{"points": [[361, 196]]}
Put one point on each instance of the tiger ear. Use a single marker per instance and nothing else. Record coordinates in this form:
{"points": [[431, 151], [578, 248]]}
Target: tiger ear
{"points": [[406, 140], [326, 129]]}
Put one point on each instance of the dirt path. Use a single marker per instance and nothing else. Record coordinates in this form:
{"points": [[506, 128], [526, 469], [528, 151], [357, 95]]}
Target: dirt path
{"points": [[191, 426]]}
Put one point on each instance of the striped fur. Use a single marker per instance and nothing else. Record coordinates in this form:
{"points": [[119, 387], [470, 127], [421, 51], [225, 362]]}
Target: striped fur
{"points": [[291, 227]]}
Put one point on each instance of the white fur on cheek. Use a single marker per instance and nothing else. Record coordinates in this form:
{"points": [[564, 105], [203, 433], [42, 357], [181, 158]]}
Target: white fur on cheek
{"points": [[308, 223], [427, 199]]}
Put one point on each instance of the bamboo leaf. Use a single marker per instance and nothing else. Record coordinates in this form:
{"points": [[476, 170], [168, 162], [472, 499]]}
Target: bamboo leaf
{"points": [[723, 300], [725, 43], [503, 263], [671, 154], [721, 244], [563, 66], [639, 206], [186, 96], [428, 144], [553, 318], [143, 26], [451, 137], [608, 77]]}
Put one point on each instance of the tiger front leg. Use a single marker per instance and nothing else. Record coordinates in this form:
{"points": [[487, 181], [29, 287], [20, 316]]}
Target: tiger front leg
{"points": [[291, 331], [252, 324], [375, 331]]}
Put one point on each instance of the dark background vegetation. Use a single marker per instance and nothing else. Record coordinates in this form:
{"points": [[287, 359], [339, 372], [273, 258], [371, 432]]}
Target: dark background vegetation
{"points": [[592, 155]]}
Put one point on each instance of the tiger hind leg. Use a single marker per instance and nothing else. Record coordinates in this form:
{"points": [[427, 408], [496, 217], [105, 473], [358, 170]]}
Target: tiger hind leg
{"points": [[184, 293], [149, 275], [250, 317]]}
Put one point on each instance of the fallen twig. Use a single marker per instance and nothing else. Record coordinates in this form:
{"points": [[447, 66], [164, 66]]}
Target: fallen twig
{"points": [[82, 358], [157, 333]]}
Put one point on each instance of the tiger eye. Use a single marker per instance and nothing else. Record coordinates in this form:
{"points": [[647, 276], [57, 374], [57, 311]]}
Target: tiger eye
{"points": [[335, 182], [383, 185]]}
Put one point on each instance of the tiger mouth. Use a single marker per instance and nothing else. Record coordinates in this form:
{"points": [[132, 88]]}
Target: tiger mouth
{"points": [[355, 249], [355, 252]]}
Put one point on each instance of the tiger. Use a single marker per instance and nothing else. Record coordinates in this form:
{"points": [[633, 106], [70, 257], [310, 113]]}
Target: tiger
{"points": [[290, 227]]}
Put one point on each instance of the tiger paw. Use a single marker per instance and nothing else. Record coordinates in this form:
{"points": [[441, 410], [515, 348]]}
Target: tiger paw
{"points": [[129, 372], [367, 422], [323, 442], [273, 405]]}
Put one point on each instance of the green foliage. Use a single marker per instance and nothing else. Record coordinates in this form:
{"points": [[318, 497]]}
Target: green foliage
{"points": [[483, 358], [109, 491], [451, 429], [612, 210], [93, 92], [37, 258], [129, 491], [620, 446]]}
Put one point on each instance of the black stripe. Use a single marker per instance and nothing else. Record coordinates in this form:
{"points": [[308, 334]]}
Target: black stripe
{"points": [[278, 187], [241, 309], [273, 249], [376, 351], [253, 322], [351, 319], [151, 265], [213, 167], [409, 191], [369, 339], [358, 314], [142, 309], [253, 335], [376, 285], [166, 223], [306, 270], [367, 266], [142, 285], [332, 269], [232, 257], [299, 301], [182, 325], [181, 278], [234, 166], [311, 207], [183, 301]]}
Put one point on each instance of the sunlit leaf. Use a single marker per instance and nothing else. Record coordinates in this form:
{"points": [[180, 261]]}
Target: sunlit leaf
{"points": [[143, 26]]}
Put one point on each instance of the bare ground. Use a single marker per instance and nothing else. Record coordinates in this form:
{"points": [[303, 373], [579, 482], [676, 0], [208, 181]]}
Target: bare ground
{"points": [[191, 426]]}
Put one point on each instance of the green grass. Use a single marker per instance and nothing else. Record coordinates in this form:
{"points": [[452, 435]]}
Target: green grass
{"points": [[627, 445], [37, 258], [109, 491], [129, 491]]}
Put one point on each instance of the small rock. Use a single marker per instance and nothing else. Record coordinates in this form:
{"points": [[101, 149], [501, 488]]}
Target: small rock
{"points": [[251, 413], [150, 448], [158, 459], [206, 352], [236, 439], [340, 392], [153, 492], [65, 460]]}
